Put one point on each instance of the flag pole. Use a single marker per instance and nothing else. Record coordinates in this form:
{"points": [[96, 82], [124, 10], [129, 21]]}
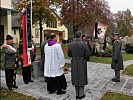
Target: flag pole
{"points": [[31, 16]]}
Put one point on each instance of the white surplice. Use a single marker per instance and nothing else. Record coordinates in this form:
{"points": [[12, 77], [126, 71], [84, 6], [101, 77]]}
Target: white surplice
{"points": [[54, 60]]}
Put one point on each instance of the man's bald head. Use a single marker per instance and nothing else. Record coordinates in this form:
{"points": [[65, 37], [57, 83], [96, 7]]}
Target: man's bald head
{"points": [[52, 33], [52, 36]]}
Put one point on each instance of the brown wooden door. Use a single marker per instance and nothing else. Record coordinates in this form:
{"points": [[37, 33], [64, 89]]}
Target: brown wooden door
{"points": [[60, 37]]}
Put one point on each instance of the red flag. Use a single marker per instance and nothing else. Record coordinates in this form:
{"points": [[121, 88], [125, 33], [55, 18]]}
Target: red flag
{"points": [[25, 55]]}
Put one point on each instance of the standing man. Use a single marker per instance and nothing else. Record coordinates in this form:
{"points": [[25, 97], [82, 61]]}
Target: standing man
{"points": [[26, 70], [46, 38], [11, 63], [83, 38], [89, 43], [117, 60], [79, 52], [54, 63]]}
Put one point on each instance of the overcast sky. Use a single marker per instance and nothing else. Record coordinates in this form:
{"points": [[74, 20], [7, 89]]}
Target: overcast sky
{"points": [[117, 5]]}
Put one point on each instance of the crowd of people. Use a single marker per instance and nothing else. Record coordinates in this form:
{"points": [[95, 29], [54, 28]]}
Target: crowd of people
{"points": [[53, 62]]}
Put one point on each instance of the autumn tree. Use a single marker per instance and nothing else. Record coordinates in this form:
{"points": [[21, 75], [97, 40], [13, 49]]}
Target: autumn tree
{"points": [[111, 26], [84, 13], [124, 22], [42, 10]]}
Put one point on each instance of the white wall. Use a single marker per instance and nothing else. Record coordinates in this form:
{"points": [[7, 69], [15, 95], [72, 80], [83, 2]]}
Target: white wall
{"points": [[5, 4], [4, 22], [6, 19]]}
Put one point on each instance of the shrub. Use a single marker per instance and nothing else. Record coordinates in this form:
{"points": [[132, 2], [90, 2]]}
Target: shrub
{"points": [[109, 50], [106, 53], [129, 48], [1, 59]]}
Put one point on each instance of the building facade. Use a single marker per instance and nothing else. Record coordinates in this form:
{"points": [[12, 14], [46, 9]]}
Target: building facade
{"points": [[5, 19], [51, 27], [9, 25]]}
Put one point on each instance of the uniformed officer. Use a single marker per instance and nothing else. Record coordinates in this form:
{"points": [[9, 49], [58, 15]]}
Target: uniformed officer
{"points": [[79, 52], [117, 60], [11, 62], [26, 70]]}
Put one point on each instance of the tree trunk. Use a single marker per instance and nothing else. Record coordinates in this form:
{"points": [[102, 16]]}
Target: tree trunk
{"points": [[41, 28], [74, 30], [76, 25]]}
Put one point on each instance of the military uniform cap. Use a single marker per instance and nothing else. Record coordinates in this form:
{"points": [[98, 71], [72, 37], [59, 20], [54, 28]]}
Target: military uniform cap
{"points": [[9, 37], [116, 34]]}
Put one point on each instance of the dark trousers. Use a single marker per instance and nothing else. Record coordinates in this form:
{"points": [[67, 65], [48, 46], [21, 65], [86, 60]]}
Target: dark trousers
{"points": [[10, 77], [56, 83], [26, 71], [117, 74], [79, 91]]}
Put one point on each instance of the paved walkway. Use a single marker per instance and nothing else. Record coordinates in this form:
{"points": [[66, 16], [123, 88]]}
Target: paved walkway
{"points": [[99, 82]]}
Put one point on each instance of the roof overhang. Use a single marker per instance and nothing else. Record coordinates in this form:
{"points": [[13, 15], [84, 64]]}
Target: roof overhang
{"points": [[53, 30], [3, 11]]}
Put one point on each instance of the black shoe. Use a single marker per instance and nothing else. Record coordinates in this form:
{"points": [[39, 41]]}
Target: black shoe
{"points": [[50, 92], [10, 88], [81, 97], [31, 81], [61, 92], [15, 87], [113, 79], [26, 82], [116, 80], [45, 79], [77, 97]]}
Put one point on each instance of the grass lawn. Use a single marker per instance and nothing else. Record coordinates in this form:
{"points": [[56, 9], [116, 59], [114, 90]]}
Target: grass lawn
{"points": [[127, 56], [105, 60], [6, 95], [65, 48], [108, 60], [128, 70], [116, 96]]}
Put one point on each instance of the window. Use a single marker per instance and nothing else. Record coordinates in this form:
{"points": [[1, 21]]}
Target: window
{"points": [[15, 32], [37, 33], [51, 24], [55, 24]]}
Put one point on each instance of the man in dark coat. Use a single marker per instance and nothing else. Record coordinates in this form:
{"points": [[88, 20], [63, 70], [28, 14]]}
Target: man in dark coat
{"points": [[89, 43], [26, 70], [46, 38], [117, 60], [79, 52], [84, 38], [10, 55]]}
